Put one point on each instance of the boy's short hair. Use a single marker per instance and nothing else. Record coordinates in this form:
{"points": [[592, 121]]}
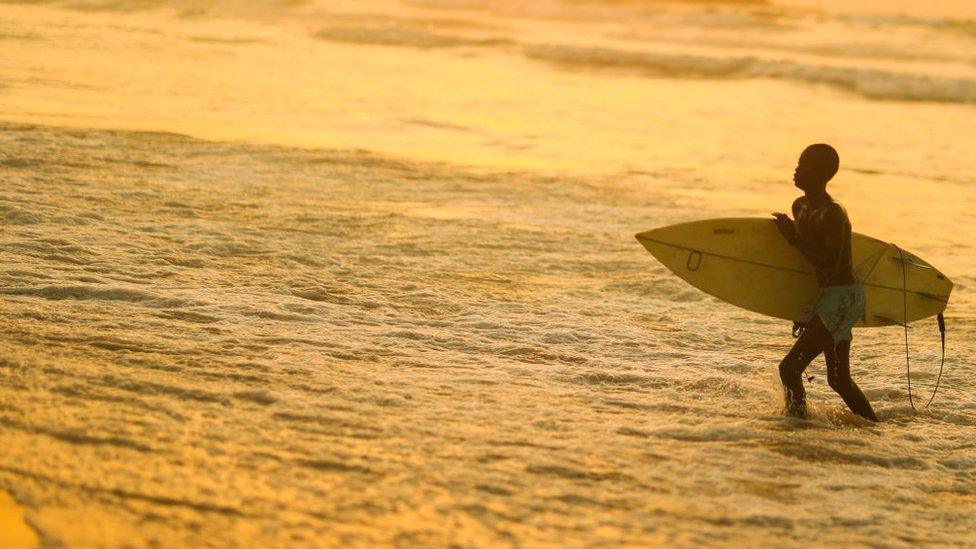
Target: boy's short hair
{"points": [[825, 157]]}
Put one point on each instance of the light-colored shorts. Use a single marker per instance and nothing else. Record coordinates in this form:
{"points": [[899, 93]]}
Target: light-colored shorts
{"points": [[839, 308]]}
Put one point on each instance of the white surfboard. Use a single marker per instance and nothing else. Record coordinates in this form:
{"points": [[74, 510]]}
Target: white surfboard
{"points": [[748, 263]]}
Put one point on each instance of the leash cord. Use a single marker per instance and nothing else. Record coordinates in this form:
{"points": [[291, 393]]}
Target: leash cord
{"points": [[942, 331], [904, 323], [938, 380]]}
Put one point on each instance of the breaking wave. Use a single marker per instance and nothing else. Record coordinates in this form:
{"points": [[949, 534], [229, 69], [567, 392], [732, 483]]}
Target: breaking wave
{"points": [[871, 83], [402, 36]]}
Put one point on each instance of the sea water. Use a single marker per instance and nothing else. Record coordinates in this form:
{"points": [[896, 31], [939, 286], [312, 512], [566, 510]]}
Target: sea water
{"points": [[322, 273]]}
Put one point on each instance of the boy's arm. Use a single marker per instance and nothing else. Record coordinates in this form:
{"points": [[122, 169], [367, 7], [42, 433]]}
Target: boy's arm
{"points": [[786, 225]]}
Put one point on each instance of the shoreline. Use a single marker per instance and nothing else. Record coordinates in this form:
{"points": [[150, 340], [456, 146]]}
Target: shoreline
{"points": [[15, 533]]}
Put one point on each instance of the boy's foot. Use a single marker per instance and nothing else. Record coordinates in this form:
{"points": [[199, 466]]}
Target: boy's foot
{"points": [[796, 408]]}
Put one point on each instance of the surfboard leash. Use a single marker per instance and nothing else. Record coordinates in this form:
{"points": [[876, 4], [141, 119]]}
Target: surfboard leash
{"points": [[938, 380], [942, 331]]}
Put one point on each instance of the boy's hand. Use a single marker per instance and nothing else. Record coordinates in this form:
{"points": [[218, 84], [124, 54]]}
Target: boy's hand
{"points": [[786, 227]]}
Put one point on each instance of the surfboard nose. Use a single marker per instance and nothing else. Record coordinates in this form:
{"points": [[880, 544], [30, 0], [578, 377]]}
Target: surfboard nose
{"points": [[651, 240], [645, 236]]}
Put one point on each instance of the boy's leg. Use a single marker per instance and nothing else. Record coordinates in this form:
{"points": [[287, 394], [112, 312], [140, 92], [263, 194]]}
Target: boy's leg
{"points": [[807, 347], [839, 378]]}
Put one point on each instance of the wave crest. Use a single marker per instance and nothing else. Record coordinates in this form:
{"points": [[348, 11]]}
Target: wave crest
{"points": [[871, 83], [402, 36]]}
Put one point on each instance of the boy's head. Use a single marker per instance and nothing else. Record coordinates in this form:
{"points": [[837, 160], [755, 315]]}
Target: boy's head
{"points": [[817, 165]]}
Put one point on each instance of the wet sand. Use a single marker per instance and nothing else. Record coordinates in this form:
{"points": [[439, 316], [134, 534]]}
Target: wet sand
{"points": [[14, 532]]}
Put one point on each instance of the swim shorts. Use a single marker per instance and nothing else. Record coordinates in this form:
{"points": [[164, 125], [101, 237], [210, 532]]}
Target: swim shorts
{"points": [[839, 308]]}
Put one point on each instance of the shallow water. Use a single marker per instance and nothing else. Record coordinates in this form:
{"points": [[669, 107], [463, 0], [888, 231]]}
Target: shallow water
{"points": [[211, 342], [208, 341]]}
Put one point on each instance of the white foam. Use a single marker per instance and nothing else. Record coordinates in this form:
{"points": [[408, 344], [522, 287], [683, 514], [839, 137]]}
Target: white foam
{"points": [[869, 82]]}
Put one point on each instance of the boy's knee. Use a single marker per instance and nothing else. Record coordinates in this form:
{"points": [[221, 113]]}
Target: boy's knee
{"points": [[838, 383]]}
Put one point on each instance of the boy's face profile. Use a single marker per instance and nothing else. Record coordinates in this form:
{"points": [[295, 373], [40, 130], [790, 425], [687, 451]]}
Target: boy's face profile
{"points": [[806, 174], [814, 168]]}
